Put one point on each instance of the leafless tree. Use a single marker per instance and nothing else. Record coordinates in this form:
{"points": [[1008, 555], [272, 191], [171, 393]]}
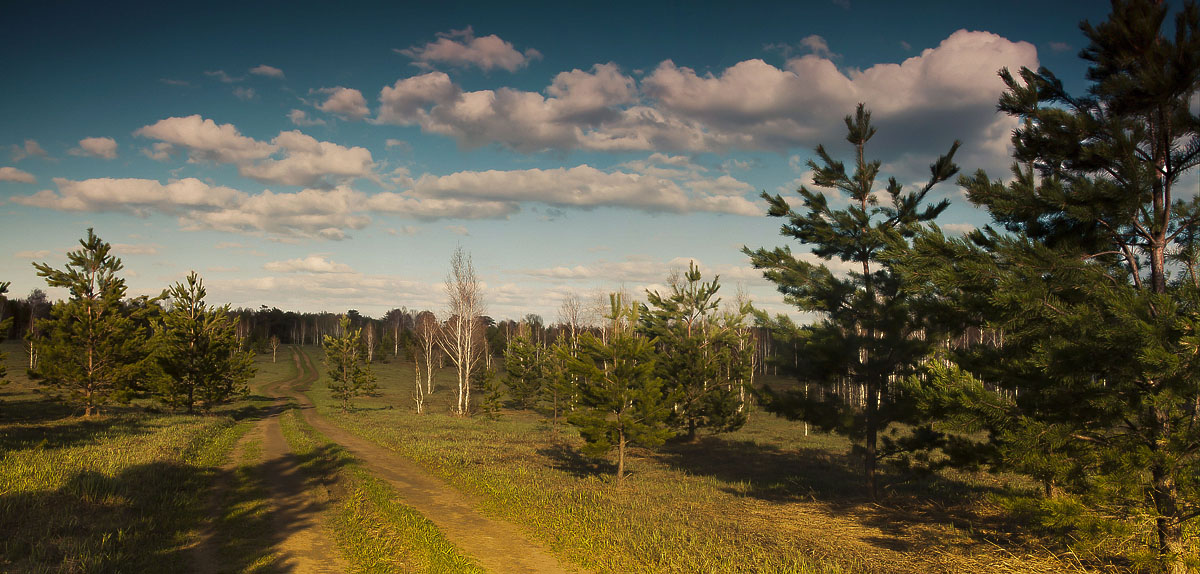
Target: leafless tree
{"points": [[274, 342], [462, 338], [570, 313], [369, 336]]}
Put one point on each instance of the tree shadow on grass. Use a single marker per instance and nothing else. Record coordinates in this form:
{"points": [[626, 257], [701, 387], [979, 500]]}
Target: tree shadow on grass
{"points": [[914, 510], [569, 460], [251, 531], [147, 518], [65, 433], [136, 521]]}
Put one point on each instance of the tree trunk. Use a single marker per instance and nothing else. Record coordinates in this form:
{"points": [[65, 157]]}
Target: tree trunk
{"points": [[621, 457], [872, 435]]}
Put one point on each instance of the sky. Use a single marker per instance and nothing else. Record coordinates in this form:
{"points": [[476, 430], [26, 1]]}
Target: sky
{"points": [[332, 156]]}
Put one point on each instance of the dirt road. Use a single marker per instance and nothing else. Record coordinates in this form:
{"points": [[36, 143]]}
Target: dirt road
{"points": [[497, 545]]}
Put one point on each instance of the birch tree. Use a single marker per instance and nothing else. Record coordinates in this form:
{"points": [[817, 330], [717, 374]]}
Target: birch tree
{"points": [[462, 337]]}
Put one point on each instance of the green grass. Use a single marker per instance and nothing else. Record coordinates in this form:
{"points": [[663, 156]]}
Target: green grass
{"points": [[663, 520], [375, 532]]}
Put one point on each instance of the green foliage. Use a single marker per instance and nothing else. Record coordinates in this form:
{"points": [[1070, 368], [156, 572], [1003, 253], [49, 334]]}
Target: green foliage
{"points": [[1093, 280], [489, 383], [524, 370], [698, 354], [94, 346], [869, 317], [198, 350], [348, 368], [620, 399]]}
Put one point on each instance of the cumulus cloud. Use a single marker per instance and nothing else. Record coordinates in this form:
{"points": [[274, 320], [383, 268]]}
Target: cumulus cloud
{"points": [[586, 187], [96, 147], [921, 104], [304, 161], [268, 71], [14, 174], [159, 151], [310, 264], [462, 48], [525, 121], [206, 140], [641, 270], [137, 196], [300, 118], [458, 230], [345, 102], [817, 45], [28, 149]]}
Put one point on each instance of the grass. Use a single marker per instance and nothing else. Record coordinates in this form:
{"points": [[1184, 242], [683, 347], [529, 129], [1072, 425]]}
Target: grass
{"points": [[764, 499], [375, 532], [126, 491]]}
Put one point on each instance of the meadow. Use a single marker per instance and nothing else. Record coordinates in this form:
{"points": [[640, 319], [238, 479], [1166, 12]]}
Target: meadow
{"points": [[769, 497], [139, 490]]}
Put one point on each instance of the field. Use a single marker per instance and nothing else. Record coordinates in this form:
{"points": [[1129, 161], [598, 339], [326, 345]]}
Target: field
{"points": [[137, 489], [767, 498]]}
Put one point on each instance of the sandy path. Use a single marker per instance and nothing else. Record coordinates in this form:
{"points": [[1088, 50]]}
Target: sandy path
{"points": [[302, 544], [498, 546]]}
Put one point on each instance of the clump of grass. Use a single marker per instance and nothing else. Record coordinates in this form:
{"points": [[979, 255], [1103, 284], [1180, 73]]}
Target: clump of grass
{"points": [[375, 532]]}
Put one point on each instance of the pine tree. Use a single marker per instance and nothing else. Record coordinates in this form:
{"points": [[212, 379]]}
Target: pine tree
{"points": [[349, 370], [620, 399], [1092, 278], [525, 371], [868, 333], [94, 346], [198, 351], [696, 356]]}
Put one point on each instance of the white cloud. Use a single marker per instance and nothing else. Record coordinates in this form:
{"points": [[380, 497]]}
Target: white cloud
{"points": [[221, 76], [345, 102], [584, 186], [206, 140], [28, 149], [304, 161], [268, 71], [462, 48], [132, 249], [244, 94], [525, 121], [921, 104], [138, 196], [428, 208], [14, 174], [300, 118], [38, 254], [159, 151], [96, 147], [310, 264], [458, 230], [310, 213], [307, 160], [642, 270], [817, 45], [958, 228]]}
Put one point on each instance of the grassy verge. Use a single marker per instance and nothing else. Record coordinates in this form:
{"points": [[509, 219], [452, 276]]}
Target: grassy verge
{"points": [[111, 494], [374, 531]]}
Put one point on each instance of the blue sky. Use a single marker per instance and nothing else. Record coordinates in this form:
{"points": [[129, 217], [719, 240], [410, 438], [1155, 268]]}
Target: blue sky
{"points": [[314, 157]]}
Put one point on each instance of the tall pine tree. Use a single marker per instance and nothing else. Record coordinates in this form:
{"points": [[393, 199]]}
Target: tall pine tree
{"points": [[868, 333], [198, 350], [697, 360], [94, 346], [620, 398], [1092, 279]]}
